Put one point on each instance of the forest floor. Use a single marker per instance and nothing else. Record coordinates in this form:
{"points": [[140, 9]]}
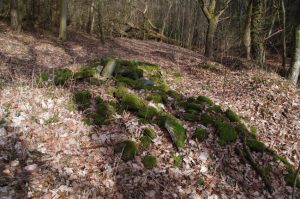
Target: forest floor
{"points": [[47, 151]]}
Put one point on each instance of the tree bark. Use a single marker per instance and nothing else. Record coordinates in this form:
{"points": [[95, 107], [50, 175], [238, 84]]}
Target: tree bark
{"points": [[14, 22], [283, 34], [63, 20], [257, 39], [100, 20], [212, 27], [295, 65], [247, 32]]}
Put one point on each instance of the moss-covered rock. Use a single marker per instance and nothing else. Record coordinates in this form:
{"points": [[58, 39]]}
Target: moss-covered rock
{"points": [[147, 112], [206, 119], [175, 95], [175, 129], [189, 105], [150, 132], [243, 131], [149, 162], [204, 99], [200, 134], [256, 145], [226, 132], [156, 98], [82, 99], [103, 111], [61, 76], [232, 116], [215, 109], [145, 141], [132, 102], [191, 116], [128, 148], [85, 72]]}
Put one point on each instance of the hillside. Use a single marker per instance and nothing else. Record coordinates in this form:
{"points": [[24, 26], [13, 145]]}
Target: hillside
{"points": [[48, 150]]}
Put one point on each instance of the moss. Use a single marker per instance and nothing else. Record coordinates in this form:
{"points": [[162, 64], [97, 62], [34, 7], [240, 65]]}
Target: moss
{"points": [[175, 95], [149, 162], [190, 105], [82, 99], [232, 116], [200, 134], [146, 141], [206, 119], [200, 181], [284, 161], [204, 99], [156, 98], [147, 112], [215, 109], [253, 130], [256, 145], [61, 76], [128, 148], [85, 72], [177, 160], [42, 77], [226, 132], [242, 130], [291, 177], [103, 111], [150, 132], [132, 102], [191, 116], [175, 129]]}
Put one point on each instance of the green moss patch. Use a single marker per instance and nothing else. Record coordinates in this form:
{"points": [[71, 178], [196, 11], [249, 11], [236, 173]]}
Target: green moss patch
{"points": [[232, 116], [131, 102], [177, 160], [192, 116], [82, 99], [145, 141], [103, 111], [226, 132], [157, 98], [291, 177], [200, 134], [256, 145], [149, 162], [206, 119], [61, 76], [175, 95], [204, 99], [150, 133], [175, 129], [147, 112], [128, 148], [42, 77], [85, 72]]}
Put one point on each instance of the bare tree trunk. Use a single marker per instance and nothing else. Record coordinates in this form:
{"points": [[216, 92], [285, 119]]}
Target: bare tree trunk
{"points": [[100, 20], [247, 31], [256, 32], [295, 65], [63, 20], [212, 27], [283, 34], [14, 22]]}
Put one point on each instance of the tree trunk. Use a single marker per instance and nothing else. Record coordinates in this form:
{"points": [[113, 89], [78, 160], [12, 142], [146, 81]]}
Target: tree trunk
{"points": [[247, 31], [100, 20], [295, 65], [256, 32], [63, 20], [14, 22], [212, 27], [283, 34]]}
